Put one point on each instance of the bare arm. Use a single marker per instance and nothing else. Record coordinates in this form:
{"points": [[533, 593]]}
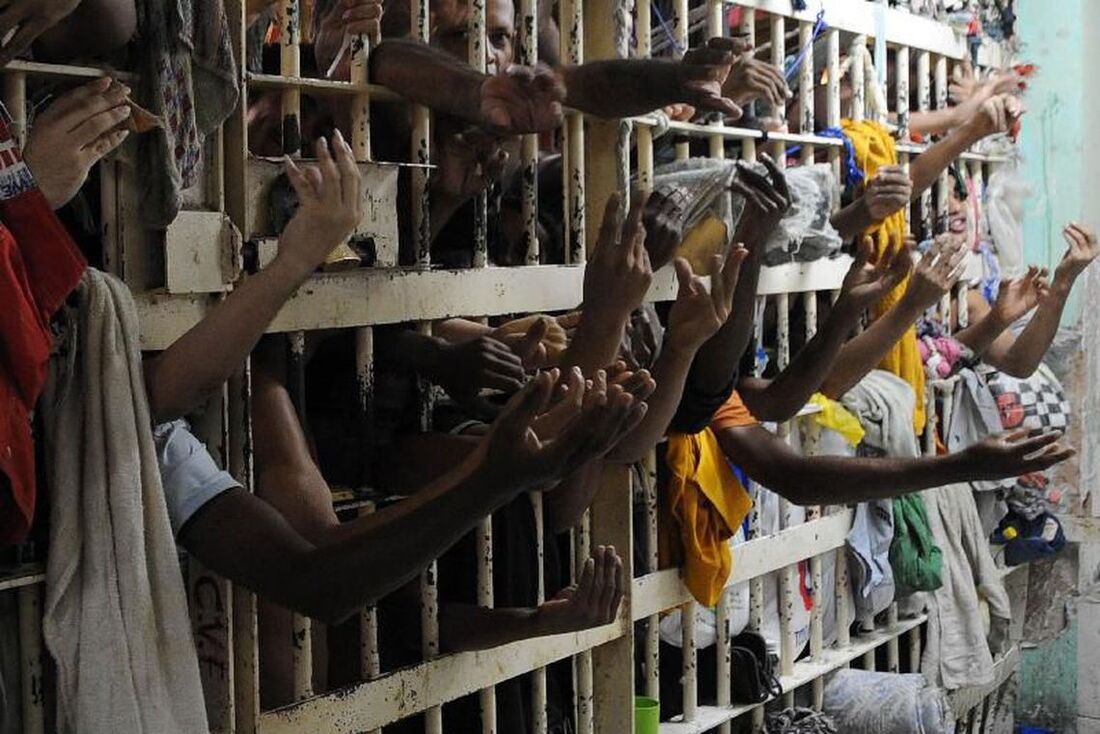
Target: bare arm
{"points": [[177, 380], [887, 192], [593, 602], [932, 276], [864, 285], [811, 480], [114, 21]]}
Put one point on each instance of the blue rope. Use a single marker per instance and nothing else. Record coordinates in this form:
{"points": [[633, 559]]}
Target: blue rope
{"points": [[853, 176], [667, 29], [819, 27]]}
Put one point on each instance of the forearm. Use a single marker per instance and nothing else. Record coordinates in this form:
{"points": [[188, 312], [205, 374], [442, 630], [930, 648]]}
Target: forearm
{"points": [[418, 352], [620, 87], [178, 381], [819, 480], [981, 335], [564, 505], [926, 168], [852, 220], [596, 342], [465, 627], [717, 360], [670, 373], [1031, 345], [934, 122], [428, 76], [864, 352], [781, 398]]}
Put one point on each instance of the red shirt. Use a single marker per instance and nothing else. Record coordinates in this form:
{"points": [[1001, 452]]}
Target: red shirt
{"points": [[39, 266]]}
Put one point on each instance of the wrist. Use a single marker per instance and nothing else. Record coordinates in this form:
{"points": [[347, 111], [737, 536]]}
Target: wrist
{"points": [[680, 349], [289, 267], [1062, 284]]}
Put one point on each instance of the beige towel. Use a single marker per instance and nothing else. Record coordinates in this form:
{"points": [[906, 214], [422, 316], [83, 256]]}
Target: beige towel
{"points": [[116, 617]]}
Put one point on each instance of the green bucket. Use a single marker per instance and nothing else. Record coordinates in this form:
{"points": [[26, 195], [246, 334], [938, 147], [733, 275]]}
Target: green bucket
{"points": [[647, 715]]}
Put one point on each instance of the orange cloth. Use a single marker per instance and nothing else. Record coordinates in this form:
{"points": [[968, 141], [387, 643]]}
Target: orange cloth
{"points": [[874, 147], [703, 504], [733, 414]]}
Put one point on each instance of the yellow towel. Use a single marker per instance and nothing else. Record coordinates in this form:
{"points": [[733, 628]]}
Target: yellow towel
{"points": [[874, 147], [704, 504], [836, 417]]}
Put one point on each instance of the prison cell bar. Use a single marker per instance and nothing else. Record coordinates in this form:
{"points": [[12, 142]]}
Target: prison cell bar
{"points": [[924, 104], [681, 31], [571, 23]]}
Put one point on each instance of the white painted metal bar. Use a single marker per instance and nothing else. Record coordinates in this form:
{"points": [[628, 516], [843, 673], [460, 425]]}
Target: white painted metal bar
{"points": [[15, 99], [582, 663], [924, 104], [681, 22], [689, 679], [748, 31], [893, 652], [538, 677], [856, 77], [528, 55], [302, 626], [571, 22], [716, 28], [420, 152], [30, 659], [779, 59]]}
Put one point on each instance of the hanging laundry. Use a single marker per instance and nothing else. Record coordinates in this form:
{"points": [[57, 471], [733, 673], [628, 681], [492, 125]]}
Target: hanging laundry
{"points": [[115, 618], [704, 505], [185, 55], [875, 147], [39, 266], [915, 558]]}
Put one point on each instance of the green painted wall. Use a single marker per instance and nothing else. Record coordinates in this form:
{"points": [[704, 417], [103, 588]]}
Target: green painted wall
{"points": [[1048, 684], [1053, 33]]}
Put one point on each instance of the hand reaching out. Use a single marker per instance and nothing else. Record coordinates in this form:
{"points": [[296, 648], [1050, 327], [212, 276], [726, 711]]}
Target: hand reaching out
{"points": [[330, 205], [888, 191], [751, 79], [1018, 296], [998, 114], [866, 284], [663, 219], [697, 315], [73, 134], [1014, 453], [767, 199], [522, 99], [593, 601], [482, 363], [1083, 249], [519, 333], [618, 275], [702, 74], [513, 456], [937, 270], [345, 18]]}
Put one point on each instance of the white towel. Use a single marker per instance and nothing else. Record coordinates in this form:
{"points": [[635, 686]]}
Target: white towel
{"points": [[116, 617]]}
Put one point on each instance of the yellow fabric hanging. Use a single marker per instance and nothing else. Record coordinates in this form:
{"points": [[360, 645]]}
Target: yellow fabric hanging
{"points": [[874, 147], [836, 417], [704, 504]]}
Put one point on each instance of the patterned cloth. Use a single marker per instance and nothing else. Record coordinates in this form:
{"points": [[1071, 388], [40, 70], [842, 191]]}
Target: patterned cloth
{"points": [[189, 79], [800, 721]]}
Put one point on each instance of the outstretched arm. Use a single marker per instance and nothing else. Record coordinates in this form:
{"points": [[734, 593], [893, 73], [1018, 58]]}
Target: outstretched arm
{"points": [[812, 480], [594, 601], [331, 207], [932, 276], [781, 398]]}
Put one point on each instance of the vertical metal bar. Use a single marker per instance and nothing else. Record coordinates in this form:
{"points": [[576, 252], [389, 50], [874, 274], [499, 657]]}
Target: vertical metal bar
{"points": [[360, 106], [582, 550], [475, 35], [644, 138], [788, 577], [538, 677], [302, 632], [944, 188], [421, 149], [807, 84], [779, 59], [723, 656], [246, 648], [652, 638], [690, 659], [30, 659], [748, 31], [901, 90], [869, 660], [681, 24], [370, 666], [914, 650], [756, 584], [924, 104], [529, 56], [893, 652], [857, 78], [572, 26], [832, 97], [716, 27], [15, 99]]}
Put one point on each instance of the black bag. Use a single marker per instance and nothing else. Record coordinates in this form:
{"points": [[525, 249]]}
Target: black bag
{"points": [[752, 670]]}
